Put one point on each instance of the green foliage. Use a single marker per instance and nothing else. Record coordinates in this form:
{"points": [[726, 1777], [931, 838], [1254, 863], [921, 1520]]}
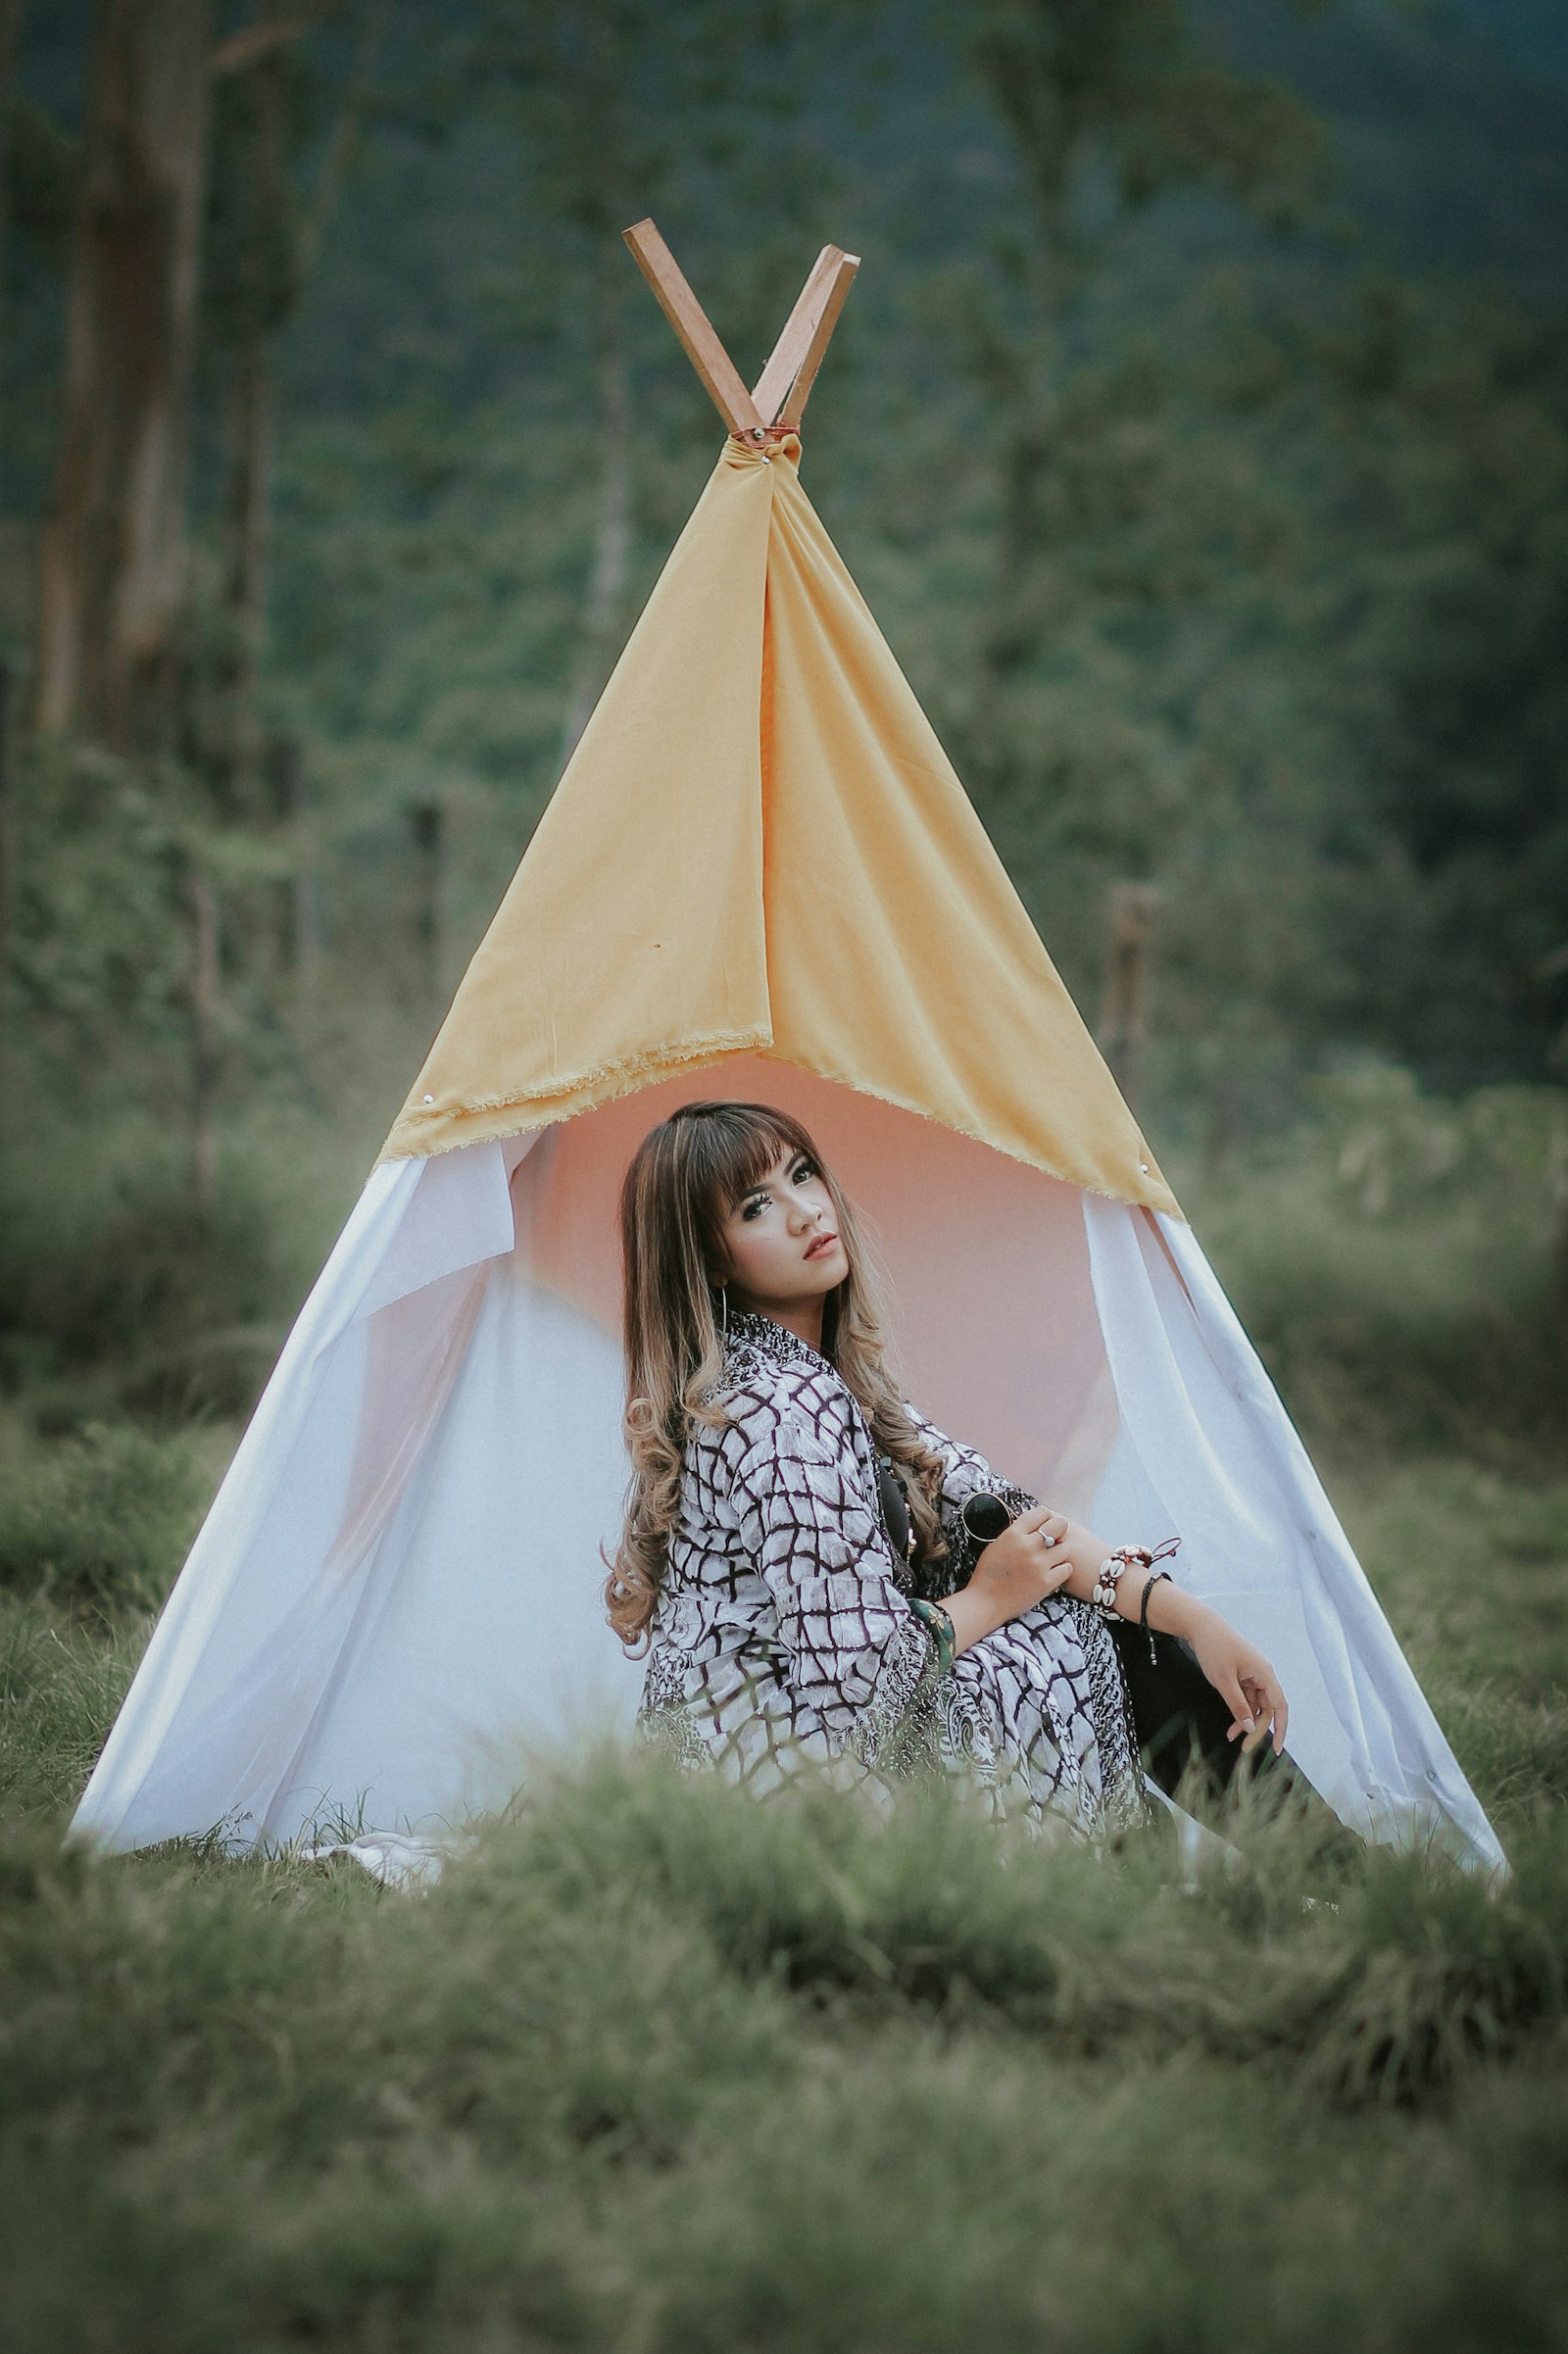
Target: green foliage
{"points": [[1125, 84], [105, 1267], [101, 1521], [1471, 1565], [99, 947], [657, 2065], [115, 1293], [1447, 596], [40, 163], [1393, 1260], [63, 1675], [1217, 568], [654, 2065]]}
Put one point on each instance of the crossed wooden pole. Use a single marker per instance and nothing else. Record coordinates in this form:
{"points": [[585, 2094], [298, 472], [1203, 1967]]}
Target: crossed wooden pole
{"points": [[777, 398]]}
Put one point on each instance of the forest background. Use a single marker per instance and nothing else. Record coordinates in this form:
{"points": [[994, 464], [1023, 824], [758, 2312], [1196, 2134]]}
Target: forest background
{"points": [[1198, 429]]}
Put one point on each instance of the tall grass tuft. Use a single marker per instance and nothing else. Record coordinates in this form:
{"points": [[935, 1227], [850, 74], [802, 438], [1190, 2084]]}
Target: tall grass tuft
{"points": [[1396, 1260]]}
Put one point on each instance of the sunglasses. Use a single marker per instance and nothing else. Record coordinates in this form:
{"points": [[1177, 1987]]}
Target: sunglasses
{"points": [[985, 1516]]}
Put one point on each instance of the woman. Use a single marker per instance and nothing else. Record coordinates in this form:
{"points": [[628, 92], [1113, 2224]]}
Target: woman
{"points": [[797, 1550]]}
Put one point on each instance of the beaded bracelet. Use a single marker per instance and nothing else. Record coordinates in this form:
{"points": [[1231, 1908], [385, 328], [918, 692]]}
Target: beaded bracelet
{"points": [[1110, 1570], [1143, 1626], [1131, 1557], [940, 1626]]}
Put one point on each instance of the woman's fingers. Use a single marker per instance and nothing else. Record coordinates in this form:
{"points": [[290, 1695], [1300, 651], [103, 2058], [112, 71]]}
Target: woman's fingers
{"points": [[1048, 1528], [1038, 1522], [1270, 1710], [1231, 1693]]}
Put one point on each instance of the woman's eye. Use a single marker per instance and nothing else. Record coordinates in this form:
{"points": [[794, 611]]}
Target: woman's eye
{"points": [[756, 1205], [803, 1170]]}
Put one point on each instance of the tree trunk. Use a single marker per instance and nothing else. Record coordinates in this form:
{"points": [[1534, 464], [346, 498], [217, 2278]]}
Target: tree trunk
{"points": [[266, 198], [113, 575], [11, 15], [340, 147], [1124, 1012], [298, 918], [250, 402], [245, 584], [8, 885], [606, 573], [427, 821], [204, 1044]]}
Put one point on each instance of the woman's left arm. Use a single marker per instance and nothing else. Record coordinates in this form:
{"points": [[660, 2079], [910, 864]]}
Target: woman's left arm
{"points": [[1235, 1667]]}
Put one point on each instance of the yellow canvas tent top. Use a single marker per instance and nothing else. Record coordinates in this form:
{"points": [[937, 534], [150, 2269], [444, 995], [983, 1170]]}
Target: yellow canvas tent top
{"points": [[759, 877]]}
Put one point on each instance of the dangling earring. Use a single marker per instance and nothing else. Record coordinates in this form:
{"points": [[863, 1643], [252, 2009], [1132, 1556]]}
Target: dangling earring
{"points": [[723, 1311]]}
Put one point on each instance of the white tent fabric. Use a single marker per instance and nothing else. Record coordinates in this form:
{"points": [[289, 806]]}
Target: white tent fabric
{"points": [[395, 1596], [1207, 1452]]}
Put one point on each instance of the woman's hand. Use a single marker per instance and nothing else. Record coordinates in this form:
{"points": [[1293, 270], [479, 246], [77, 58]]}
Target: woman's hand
{"points": [[1242, 1678], [1044, 1552], [1030, 1559]]}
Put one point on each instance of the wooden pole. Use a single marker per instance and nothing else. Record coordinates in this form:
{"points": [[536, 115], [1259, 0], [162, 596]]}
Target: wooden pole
{"points": [[1124, 1011], [785, 383], [721, 378], [843, 279]]}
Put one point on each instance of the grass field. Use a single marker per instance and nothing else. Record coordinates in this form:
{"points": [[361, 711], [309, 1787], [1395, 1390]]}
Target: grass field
{"points": [[657, 2068]]}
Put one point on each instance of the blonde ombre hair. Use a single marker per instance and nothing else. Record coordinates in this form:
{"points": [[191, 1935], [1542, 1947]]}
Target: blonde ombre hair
{"points": [[686, 1177]]}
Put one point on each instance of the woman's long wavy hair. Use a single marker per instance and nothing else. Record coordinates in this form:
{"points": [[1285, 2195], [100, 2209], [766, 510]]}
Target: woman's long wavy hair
{"points": [[684, 1180]]}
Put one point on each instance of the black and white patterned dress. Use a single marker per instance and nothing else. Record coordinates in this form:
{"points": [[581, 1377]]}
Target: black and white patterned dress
{"points": [[784, 1635]]}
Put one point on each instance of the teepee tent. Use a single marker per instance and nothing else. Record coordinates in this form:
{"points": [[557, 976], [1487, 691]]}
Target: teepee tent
{"points": [[759, 877]]}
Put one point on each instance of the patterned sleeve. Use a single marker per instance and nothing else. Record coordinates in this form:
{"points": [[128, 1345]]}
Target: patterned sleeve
{"points": [[967, 1474], [860, 1655]]}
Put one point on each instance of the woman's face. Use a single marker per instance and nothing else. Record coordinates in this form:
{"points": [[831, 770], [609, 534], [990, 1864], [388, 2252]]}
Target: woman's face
{"points": [[781, 1240]]}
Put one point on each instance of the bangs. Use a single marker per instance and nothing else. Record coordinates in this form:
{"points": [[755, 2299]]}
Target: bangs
{"points": [[733, 1146]]}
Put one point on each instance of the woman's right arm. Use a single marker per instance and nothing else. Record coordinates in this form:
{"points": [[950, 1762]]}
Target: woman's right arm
{"points": [[859, 1655], [1016, 1570]]}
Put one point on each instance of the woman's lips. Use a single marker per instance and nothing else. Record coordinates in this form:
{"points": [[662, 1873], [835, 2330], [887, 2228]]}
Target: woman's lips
{"points": [[823, 1242]]}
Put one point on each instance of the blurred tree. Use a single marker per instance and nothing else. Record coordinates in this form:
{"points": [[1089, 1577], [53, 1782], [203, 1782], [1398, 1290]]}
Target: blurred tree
{"points": [[11, 11], [1446, 633], [11, 14], [619, 108], [38, 176], [1121, 508], [1110, 105], [113, 570], [262, 235], [251, 285]]}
